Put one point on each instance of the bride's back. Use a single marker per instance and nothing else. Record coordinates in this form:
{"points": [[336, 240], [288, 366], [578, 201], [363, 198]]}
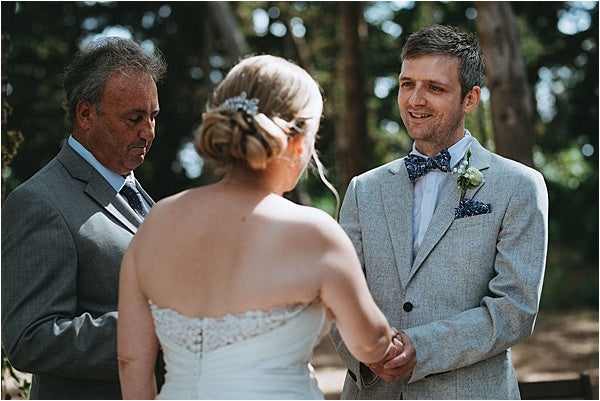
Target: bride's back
{"points": [[205, 256], [217, 250]]}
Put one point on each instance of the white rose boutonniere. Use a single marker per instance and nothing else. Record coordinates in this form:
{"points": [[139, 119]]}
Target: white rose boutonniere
{"points": [[468, 176]]}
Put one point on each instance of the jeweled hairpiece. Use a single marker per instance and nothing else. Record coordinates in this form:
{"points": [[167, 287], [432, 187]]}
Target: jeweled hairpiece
{"points": [[241, 102]]}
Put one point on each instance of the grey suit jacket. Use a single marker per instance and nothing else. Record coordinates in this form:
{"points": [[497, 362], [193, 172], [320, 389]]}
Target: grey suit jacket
{"points": [[64, 232], [471, 291]]}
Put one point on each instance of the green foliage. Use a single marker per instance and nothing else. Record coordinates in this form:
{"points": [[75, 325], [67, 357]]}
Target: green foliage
{"points": [[570, 282], [13, 139], [9, 373]]}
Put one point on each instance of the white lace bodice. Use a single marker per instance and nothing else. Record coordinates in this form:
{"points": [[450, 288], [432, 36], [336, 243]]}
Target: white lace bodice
{"points": [[247, 355], [209, 333]]}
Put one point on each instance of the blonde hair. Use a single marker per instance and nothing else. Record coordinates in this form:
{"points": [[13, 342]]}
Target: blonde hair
{"points": [[289, 104]]}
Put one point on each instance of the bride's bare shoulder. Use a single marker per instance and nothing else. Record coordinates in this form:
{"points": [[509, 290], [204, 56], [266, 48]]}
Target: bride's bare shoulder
{"points": [[314, 223], [293, 213]]}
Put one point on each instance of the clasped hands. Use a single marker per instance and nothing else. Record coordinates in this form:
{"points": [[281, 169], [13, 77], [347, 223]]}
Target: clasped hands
{"points": [[399, 361]]}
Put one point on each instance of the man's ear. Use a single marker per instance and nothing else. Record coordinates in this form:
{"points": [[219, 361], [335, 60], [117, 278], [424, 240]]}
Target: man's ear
{"points": [[472, 99], [83, 114]]}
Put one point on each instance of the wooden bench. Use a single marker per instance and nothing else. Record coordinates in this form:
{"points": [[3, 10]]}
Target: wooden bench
{"points": [[580, 388]]}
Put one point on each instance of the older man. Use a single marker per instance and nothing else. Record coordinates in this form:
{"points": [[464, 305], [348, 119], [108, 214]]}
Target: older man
{"points": [[64, 231]]}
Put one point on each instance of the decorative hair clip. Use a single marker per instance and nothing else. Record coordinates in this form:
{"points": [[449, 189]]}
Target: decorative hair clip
{"points": [[241, 102]]}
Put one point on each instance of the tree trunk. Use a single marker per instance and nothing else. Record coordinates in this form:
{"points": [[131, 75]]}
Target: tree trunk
{"points": [[352, 132], [228, 28], [510, 94], [301, 51]]}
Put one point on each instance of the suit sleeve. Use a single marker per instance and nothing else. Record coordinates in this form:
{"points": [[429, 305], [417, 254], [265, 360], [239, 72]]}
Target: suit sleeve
{"points": [[42, 330], [507, 313], [349, 220]]}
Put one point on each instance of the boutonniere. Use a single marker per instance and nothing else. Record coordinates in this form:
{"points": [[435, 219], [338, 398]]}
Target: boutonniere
{"points": [[468, 176]]}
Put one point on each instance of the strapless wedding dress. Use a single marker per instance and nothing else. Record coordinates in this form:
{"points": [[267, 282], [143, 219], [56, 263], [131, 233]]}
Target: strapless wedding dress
{"points": [[251, 355]]}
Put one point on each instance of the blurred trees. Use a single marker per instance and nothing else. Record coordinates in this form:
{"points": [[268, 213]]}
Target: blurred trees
{"points": [[351, 134], [353, 51], [510, 94]]}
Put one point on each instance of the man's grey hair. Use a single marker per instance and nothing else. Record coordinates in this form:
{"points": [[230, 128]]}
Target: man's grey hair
{"points": [[85, 77]]}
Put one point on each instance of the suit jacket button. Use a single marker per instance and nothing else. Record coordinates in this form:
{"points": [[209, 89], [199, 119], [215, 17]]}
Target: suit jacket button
{"points": [[407, 306]]}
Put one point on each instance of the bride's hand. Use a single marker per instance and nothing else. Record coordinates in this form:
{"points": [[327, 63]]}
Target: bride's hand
{"points": [[394, 371], [378, 367], [395, 348]]}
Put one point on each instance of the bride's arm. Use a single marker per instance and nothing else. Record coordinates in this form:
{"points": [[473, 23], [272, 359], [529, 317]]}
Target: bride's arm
{"points": [[361, 324], [137, 345]]}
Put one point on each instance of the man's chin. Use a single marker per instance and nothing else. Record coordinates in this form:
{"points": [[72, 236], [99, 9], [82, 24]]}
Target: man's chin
{"points": [[419, 135], [135, 163]]}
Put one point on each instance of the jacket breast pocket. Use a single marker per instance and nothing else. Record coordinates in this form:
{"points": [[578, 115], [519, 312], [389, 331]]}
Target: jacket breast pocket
{"points": [[472, 222]]}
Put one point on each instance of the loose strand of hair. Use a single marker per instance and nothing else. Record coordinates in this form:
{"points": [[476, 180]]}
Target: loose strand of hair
{"points": [[321, 171]]}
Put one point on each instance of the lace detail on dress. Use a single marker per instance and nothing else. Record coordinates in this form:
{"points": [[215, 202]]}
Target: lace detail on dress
{"points": [[199, 335]]}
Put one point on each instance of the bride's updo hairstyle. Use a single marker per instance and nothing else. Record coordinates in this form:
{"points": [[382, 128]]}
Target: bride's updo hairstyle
{"points": [[262, 103]]}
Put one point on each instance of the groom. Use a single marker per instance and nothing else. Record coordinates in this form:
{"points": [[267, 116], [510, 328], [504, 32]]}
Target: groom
{"points": [[458, 270], [64, 231]]}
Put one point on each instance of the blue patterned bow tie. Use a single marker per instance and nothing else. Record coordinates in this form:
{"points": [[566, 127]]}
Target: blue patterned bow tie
{"points": [[418, 166]]}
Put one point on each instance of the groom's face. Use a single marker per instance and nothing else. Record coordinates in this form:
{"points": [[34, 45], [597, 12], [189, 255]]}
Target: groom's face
{"points": [[429, 100]]}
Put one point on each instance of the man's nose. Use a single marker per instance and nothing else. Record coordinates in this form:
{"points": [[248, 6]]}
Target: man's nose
{"points": [[417, 97], [147, 130]]}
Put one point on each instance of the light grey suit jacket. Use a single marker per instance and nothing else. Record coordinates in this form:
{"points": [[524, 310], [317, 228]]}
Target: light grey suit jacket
{"points": [[64, 232], [474, 285]]}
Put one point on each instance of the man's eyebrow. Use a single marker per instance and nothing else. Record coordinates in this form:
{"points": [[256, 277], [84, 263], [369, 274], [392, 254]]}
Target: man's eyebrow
{"points": [[438, 83], [140, 111], [429, 81]]}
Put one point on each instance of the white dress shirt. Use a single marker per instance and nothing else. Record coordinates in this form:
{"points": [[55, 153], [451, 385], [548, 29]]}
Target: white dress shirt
{"points": [[430, 187]]}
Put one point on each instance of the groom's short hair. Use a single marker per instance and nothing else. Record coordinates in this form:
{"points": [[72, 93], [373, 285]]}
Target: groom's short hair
{"points": [[449, 41]]}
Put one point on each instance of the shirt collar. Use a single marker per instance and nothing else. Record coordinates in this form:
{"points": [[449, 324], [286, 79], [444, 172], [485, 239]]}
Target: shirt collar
{"points": [[129, 178], [457, 151], [115, 180]]}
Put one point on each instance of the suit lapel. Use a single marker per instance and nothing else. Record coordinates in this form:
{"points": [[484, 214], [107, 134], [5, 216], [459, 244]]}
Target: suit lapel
{"points": [[444, 212], [98, 188], [397, 192]]}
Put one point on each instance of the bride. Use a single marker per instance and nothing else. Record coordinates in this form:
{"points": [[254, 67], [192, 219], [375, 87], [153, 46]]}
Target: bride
{"points": [[233, 281]]}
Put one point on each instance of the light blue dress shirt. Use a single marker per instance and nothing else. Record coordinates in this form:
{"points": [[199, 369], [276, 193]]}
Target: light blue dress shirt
{"points": [[115, 180], [430, 187]]}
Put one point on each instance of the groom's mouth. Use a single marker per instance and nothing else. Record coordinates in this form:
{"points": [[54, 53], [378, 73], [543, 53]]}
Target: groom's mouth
{"points": [[419, 116]]}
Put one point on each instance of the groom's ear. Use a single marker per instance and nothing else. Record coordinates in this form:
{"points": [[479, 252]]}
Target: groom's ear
{"points": [[471, 99]]}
